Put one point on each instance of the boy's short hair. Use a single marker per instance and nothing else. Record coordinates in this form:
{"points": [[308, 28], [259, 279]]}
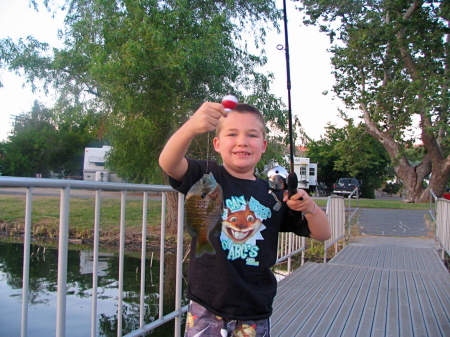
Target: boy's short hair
{"points": [[246, 109]]}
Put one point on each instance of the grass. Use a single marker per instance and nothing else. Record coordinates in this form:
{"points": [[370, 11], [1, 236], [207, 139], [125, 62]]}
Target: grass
{"points": [[45, 216], [379, 203]]}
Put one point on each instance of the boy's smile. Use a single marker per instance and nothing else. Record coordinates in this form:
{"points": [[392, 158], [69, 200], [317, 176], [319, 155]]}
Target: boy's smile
{"points": [[240, 143]]}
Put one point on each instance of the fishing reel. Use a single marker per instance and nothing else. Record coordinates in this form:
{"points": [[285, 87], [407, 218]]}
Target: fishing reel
{"points": [[277, 177], [280, 179]]}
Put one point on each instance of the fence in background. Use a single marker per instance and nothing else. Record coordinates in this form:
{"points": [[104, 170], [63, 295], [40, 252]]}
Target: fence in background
{"points": [[289, 245], [440, 214], [352, 212], [336, 216]]}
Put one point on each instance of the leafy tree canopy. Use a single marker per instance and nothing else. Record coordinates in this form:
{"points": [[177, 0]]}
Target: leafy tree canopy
{"points": [[350, 152], [44, 141]]}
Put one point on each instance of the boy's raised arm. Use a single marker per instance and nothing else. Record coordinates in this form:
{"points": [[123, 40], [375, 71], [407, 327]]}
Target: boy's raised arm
{"points": [[172, 158]]}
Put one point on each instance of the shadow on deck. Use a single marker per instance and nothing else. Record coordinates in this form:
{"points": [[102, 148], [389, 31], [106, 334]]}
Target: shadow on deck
{"points": [[379, 287]]}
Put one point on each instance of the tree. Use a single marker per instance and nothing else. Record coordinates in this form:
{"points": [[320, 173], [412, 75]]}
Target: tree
{"points": [[44, 141], [149, 64], [350, 152], [392, 63]]}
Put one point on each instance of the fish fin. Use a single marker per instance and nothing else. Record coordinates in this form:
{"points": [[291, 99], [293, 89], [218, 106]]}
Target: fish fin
{"points": [[217, 228], [191, 231], [201, 249]]}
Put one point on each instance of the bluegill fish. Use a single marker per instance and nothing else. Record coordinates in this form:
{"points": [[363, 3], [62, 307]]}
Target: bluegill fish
{"points": [[203, 210]]}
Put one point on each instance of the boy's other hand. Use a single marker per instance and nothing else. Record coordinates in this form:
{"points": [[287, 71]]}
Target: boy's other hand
{"points": [[300, 201], [206, 118]]}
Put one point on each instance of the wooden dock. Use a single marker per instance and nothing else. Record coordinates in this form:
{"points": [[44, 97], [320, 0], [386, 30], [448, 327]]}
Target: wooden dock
{"points": [[371, 289]]}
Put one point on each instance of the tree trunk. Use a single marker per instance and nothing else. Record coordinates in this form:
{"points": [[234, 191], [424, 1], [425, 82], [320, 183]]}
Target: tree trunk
{"points": [[411, 176], [439, 179], [172, 213]]}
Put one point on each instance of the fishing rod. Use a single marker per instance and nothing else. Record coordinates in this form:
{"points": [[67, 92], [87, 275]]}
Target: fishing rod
{"points": [[292, 180]]}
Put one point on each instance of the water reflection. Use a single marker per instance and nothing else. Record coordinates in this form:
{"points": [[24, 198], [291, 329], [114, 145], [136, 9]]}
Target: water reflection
{"points": [[43, 288], [87, 262]]}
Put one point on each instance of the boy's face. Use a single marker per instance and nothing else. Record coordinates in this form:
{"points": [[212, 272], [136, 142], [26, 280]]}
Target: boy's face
{"points": [[240, 143]]}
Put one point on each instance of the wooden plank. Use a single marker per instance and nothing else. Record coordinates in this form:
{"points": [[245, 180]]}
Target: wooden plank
{"points": [[297, 276], [326, 311], [397, 258], [368, 314], [382, 301], [393, 309], [303, 303], [415, 307], [424, 292], [431, 258], [352, 303], [438, 288], [352, 322]]}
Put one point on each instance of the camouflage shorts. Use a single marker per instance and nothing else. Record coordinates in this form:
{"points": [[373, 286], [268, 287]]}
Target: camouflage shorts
{"points": [[201, 322]]}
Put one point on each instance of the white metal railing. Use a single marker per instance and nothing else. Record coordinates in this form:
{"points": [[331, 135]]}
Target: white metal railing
{"points": [[65, 187], [352, 213], [289, 245], [336, 217], [441, 217]]}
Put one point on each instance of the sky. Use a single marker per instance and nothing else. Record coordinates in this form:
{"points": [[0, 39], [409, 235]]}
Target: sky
{"points": [[309, 62]]}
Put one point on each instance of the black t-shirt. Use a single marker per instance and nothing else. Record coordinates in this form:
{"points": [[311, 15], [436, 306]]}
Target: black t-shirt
{"points": [[236, 282]]}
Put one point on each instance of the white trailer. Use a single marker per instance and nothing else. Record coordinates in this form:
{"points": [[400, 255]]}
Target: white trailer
{"points": [[94, 165], [306, 172]]}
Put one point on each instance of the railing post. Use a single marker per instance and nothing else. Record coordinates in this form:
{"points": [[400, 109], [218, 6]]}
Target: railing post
{"points": [[335, 212], [95, 262], [123, 202], [143, 259], [179, 267], [290, 243], [26, 262], [303, 244], [162, 253], [62, 261]]}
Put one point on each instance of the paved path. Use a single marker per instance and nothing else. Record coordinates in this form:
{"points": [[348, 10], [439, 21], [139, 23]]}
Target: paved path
{"points": [[393, 222]]}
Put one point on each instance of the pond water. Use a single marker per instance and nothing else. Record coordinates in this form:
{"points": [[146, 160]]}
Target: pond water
{"points": [[43, 292]]}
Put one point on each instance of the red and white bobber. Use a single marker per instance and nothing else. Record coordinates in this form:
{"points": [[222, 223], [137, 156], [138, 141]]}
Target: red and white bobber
{"points": [[229, 102]]}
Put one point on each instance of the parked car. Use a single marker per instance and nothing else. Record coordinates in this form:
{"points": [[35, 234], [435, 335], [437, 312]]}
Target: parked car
{"points": [[345, 186]]}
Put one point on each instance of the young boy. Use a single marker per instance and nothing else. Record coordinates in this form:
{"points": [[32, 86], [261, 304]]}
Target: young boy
{"points": [[232, 291]]}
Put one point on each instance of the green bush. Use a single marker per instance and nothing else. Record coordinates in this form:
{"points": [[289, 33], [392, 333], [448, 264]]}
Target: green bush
{"points": [[392, 188]]}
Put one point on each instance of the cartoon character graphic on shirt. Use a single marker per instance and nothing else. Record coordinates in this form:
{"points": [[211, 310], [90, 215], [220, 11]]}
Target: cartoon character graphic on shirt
{"points": [[240, 226], [242, 223]]}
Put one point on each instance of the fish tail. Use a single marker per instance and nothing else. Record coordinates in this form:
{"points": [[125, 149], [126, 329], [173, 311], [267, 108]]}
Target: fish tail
{"points": [[204, 248]]}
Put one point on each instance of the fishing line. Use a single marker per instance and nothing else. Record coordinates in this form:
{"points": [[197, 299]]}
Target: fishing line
{"points": [[207, 153]]}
